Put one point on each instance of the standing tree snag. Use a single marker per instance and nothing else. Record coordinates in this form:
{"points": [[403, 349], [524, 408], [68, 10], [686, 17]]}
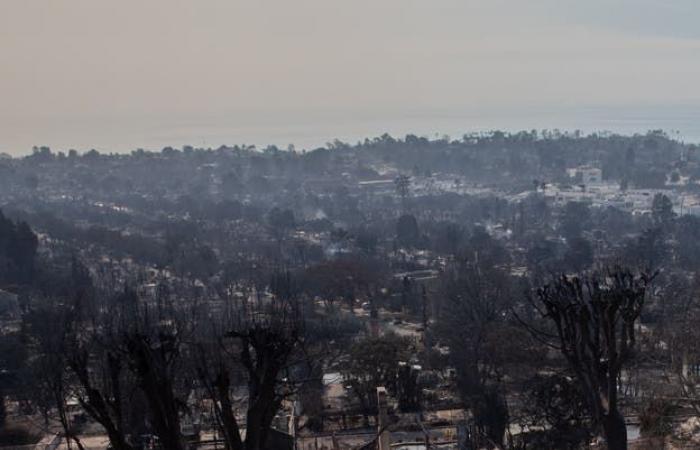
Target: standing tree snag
{"points": [[259, 346], [594, 317], [129, 346], [476, 297]]}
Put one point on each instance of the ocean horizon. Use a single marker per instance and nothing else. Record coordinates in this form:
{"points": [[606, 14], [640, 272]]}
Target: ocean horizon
{"points": [[310, 131]]}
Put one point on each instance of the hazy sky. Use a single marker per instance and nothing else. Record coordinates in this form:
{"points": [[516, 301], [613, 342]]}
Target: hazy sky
{"points": [[121, 74]]}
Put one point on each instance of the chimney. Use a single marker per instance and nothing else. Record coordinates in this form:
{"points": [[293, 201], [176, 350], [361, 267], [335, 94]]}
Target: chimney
{"points": [[383, 420]]}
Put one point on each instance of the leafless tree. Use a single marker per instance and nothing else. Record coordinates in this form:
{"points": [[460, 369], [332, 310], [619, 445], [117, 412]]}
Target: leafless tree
{"points": [[257, 343], [124, 348], [472, 321], [594, 316], [48, 341]]}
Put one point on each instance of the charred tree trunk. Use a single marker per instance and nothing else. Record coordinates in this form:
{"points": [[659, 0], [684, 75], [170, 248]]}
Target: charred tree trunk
{"points": [[151, 365], [232, 433], [615, 431], [105, 411], [271, 350], [264, 353], [594, 319]]}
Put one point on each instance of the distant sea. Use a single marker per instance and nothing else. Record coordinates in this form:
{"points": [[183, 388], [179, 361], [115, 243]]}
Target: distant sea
{"points": [[308, 130]]}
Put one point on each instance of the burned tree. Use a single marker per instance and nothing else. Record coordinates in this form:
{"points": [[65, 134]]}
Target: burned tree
{"points": [[472, 322], [100, 379], [126, 350], [151, 360], [594, 318], [374, 362], [51, 324], [52, 384], [256, 345], [92, 359]]}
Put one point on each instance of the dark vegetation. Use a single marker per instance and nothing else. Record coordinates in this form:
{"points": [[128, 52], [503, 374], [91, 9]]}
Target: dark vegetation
{"points": [[168, 293]]}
